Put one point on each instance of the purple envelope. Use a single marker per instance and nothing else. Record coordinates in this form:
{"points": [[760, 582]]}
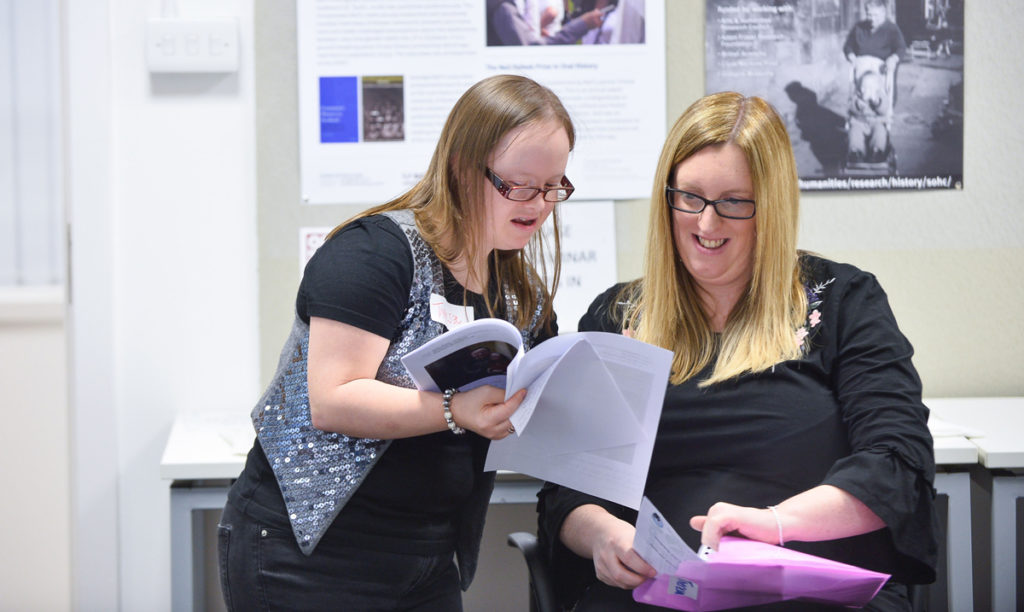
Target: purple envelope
{"points": [[747, 573]]}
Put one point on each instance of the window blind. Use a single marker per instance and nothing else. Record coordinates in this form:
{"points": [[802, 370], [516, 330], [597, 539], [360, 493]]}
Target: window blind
{"points": [[31, 203]]}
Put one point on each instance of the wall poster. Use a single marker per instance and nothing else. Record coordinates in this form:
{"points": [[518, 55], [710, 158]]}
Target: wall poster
{"points": [[377, 79], [858, 119]]}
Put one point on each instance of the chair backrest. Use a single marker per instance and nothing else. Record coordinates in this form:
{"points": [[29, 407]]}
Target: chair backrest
{"points": [[542, 591]]}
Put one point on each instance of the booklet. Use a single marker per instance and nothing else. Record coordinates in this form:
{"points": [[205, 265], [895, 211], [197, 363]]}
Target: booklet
{"points": [[591, 409], [741, 573]]}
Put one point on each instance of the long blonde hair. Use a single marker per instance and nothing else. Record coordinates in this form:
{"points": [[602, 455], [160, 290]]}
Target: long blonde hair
{"points": [[448, 201], [665, 307]]}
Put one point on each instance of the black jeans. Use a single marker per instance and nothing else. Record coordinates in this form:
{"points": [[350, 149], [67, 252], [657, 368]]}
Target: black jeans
{"points": [[262, 568]]}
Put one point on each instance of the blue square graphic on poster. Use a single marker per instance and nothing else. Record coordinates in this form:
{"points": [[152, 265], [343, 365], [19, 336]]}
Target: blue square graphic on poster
{"points": [[339, 109]]}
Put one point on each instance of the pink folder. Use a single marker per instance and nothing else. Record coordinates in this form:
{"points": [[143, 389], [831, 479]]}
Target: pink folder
{"points": [[747, 573]]}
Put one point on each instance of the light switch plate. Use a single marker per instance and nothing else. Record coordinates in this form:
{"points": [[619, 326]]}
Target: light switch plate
{"points": [[192, 45]]}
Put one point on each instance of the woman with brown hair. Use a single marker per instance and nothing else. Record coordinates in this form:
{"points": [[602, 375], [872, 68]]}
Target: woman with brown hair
{"points": [[360, 489]]}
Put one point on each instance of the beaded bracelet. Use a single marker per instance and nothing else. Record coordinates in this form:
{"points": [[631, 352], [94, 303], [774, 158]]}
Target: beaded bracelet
{"points": [[446, 405]]}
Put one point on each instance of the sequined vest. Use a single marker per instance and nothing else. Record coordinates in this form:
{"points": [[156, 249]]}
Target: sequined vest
{"points": [[318, 471]]}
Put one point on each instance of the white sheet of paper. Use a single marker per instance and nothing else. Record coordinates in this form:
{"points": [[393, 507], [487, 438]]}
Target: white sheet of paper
{"points": [[657, 542], [606, 463], [609, 423]]}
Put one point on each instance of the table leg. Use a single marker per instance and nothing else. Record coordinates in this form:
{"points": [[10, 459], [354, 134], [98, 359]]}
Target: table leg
{"points": [[188, 583], [959, 562], [1006, 576]]}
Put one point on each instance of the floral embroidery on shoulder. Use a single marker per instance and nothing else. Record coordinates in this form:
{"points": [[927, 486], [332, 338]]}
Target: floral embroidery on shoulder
{"points": [[814, 299]]}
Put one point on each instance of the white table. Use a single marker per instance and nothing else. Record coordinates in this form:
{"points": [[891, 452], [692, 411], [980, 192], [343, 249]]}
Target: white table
{"points": [[1000, 421], [204, 452]]}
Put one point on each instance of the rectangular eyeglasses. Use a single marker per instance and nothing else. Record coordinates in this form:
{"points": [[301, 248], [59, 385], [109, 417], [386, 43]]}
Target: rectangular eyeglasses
{"points": [[525, 193], [687, 202]]}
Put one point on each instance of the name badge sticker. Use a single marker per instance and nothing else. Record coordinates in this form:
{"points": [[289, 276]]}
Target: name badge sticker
{"points": [[449, 315]]}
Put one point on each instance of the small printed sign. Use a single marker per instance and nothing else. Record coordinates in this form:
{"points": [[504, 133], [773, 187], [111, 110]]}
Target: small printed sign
{"points": [[682, 586]]}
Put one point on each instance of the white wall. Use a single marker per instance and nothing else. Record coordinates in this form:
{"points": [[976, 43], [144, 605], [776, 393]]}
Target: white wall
{"points": [[174, 287], [35, 567], [92, 411]]}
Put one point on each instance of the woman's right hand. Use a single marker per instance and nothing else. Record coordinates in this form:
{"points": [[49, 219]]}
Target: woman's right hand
{"points": [[484, 410], [615, 562], [591, 531]]}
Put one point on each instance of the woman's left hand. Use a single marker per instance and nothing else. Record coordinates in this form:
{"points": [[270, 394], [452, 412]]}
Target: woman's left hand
{"points": [[822, 513], [723, 519]]}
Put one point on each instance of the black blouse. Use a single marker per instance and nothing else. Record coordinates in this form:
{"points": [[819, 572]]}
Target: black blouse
{"points": [[847, 414]]}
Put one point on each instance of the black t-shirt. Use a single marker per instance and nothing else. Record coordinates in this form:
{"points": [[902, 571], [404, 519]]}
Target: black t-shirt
{"points": [[848, 413], [411, 499]]}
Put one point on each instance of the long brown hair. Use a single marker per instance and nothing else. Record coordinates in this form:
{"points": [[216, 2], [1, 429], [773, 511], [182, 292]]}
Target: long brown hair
{"points": [[665, 307], [448, 201]]}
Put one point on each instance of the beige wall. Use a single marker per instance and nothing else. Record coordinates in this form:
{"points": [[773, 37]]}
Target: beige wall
{"points": [[949, 260], [35, 567]]}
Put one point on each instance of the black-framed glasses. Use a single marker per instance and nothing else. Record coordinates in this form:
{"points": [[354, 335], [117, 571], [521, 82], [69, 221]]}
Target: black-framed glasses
{"points": [[687, 202], [525, 194]]}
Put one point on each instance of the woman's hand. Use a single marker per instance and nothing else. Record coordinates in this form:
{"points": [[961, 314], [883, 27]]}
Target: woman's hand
{"points": [[345, 397], [615, 562], [723, 519], [591, 531], [822, 513], [485, 411]]}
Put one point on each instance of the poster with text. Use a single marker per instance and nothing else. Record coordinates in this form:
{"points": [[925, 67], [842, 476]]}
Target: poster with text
{"points": [[588, 257], [871, 92], [377, 80]]}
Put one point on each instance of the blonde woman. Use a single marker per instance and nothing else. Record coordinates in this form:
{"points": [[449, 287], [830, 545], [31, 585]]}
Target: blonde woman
{"points": [[360, 490], [793, 414]]}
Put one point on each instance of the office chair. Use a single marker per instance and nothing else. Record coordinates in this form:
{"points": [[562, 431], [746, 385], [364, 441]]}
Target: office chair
{"points": [[542, 590]]}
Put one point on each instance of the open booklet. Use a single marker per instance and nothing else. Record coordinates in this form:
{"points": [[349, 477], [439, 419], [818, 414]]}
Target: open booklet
{"points": [[741, 573], [592, 405]]}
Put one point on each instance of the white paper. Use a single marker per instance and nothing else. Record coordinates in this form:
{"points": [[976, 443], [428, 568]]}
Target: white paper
{"points": [[657, 542], [551, 413], [599, 452], [377, 79], [588, 257], [591, 410]]}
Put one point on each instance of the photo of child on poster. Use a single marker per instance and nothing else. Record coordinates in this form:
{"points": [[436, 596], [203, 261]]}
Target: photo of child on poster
{"points": [[871, 90]]}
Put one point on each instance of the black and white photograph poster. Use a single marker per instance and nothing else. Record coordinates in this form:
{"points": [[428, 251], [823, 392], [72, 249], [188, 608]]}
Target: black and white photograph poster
{"points": [[871, 90]]}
